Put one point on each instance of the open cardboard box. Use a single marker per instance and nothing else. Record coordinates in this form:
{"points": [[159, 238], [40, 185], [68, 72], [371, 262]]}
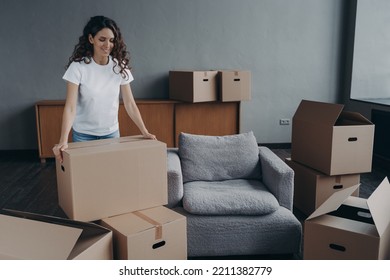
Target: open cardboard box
{"points": [[151, 234], [330, 140], [103, 178], [312, 188], [347, 227], [31, 236]]}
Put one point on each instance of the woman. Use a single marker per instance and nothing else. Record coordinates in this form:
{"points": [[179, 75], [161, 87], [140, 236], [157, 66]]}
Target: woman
{"points": [[97, 72]]}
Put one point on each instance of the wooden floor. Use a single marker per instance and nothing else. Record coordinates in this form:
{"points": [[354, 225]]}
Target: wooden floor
{"points": [[26, 184]]}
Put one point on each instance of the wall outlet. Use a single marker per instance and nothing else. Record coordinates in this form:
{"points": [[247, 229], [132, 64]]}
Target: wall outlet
{"points": [[284, 121]]}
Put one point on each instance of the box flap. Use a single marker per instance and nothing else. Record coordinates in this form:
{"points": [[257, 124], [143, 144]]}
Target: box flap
{"points": [[379, 206], [30, 239], [87, 227], [318, 112], [353, 118], [333, 202], [109, 145]]}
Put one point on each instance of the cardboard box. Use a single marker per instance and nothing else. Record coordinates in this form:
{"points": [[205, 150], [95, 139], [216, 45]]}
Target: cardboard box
{"points": [[234, 85], [30, 236], [152, 234], [312, 188], [193, 86], [103, 178], [347, 227], [330, 140]]}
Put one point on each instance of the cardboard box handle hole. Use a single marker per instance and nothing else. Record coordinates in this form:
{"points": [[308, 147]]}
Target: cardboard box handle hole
{"points": [[337, 247], [205, 80], [352, 139], [158, 244], [337, 187], [236, 80], [62, 168], [364, 214]]}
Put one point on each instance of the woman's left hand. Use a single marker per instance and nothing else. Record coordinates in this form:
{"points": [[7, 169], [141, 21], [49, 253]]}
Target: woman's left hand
{"points": [[148, 135]]}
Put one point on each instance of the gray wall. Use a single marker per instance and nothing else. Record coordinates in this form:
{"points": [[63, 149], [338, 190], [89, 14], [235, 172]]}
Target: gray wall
{"points": [[292, 48]]}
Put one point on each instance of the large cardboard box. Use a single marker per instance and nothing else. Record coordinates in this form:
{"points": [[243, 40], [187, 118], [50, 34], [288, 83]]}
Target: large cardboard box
{"points": [[151, 234], [234, 85], [347, 227], [193, 86], [330, 140], [312, 188], [31, 236], [103, 178]]}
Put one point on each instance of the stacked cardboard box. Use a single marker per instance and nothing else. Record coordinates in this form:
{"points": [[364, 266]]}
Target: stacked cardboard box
{"points": [[208, 86], [154, 233], [312, 188], [114, 179], [103, 178], [121, 183], [330, 149], [330, 140]]}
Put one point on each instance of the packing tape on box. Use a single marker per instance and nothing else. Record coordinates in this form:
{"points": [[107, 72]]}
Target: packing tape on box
{"points": [[158, 226]]}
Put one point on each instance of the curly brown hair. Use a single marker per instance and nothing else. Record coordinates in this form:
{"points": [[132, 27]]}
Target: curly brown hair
{"points": [[83, 51]]}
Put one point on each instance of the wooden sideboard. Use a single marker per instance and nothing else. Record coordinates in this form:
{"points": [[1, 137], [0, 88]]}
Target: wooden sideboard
{"points": [[164, 118]]}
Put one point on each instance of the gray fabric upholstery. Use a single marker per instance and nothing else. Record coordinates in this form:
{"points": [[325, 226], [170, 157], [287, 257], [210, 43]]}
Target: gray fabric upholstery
{"points": [[175, 178], [230, 197], [277, 233], [216, 158], [277, 176]]}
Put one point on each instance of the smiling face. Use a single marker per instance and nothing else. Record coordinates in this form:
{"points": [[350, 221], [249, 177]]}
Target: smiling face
{"points": [[103, 43]]}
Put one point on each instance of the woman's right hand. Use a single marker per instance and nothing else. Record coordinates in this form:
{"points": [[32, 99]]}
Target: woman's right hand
{"points": [[58, 149]]}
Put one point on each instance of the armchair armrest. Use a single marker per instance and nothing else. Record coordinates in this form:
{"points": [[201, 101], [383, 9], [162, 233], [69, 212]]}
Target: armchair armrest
{"points": [[175, 178], [277, 176]]}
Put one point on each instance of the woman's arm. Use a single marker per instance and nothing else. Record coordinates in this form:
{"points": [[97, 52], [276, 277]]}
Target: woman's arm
{"points": [[67, 119], [133, 112]]}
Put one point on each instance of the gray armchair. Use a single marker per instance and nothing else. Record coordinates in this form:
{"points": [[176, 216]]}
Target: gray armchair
{"points": [[237, 197]]}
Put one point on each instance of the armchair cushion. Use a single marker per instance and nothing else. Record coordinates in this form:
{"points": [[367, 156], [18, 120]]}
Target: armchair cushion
{"points": [[216, 158], [231, 197]]}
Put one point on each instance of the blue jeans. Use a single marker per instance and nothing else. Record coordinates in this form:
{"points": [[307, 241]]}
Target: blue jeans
{"points": [[81, 137]]}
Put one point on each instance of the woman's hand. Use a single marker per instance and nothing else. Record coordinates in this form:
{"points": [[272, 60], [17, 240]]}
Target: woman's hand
{"points": [[148, 135], [58, 149]]}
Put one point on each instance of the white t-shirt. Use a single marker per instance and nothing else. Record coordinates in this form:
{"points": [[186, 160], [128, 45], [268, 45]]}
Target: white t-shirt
{"points": [[98, 100]]}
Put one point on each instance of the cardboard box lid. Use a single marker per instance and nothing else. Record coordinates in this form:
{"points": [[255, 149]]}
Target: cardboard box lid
{"points": [[377, 203], [100, 142], [190, 71], [42, 236], [353, 118], [327, 114], [318, 112], [333, 202], [104, 145], [142, 220], [30, 239]]}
